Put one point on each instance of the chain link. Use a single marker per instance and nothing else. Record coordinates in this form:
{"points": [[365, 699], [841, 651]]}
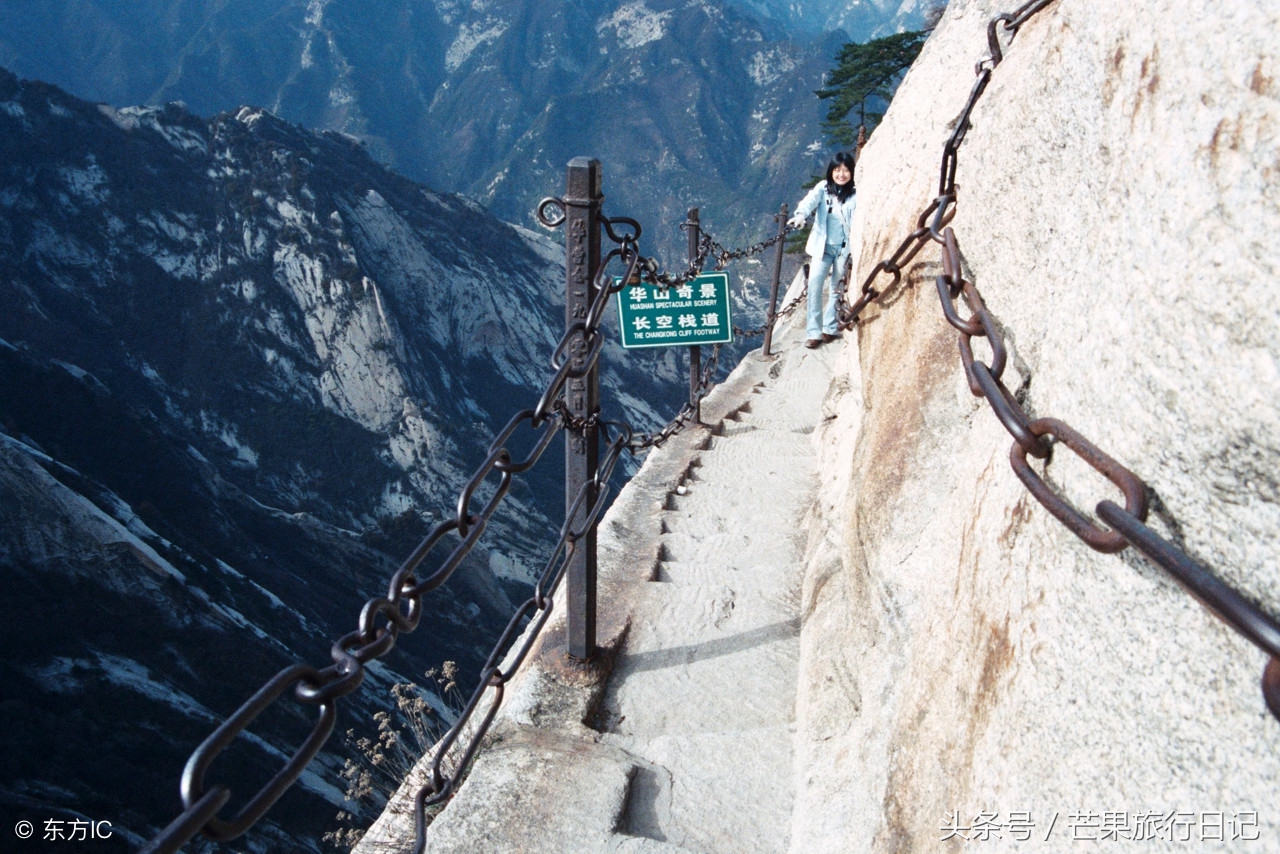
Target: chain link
{"points": [[724, 256], [382, 619], [651, 274], [782, 313]]}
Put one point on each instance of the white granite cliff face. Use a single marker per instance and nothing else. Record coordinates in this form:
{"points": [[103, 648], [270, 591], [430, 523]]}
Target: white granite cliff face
{"points": [[961, 649], [962, 660]]}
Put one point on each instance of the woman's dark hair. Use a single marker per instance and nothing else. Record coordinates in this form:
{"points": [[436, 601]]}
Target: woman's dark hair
{"points": [[842, 158]]}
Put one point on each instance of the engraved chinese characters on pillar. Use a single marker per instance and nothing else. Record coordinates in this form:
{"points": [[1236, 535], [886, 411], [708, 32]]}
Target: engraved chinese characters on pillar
{"points": [[578, 254], [577, 397]]}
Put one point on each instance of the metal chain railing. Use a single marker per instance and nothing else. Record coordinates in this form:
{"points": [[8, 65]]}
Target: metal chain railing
{"points": [[383, 619], [440, 786], [723, 256], [1038, 437], [651, 272], [687, 413]]}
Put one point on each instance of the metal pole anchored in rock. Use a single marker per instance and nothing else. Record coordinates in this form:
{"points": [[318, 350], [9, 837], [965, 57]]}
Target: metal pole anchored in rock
{"points": [[781, 219], [694, 230], [582, 449]]}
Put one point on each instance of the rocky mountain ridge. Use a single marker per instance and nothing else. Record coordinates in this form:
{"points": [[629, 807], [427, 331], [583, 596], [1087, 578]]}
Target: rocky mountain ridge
{"points": [[706, 103]]}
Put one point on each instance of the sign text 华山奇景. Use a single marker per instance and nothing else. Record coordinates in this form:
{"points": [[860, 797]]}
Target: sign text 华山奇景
{"points": [[696, 312]]}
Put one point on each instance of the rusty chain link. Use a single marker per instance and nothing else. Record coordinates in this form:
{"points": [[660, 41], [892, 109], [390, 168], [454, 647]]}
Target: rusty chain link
{"points": [[650, 268], [708, 245], [782, 313], [1039, 436]]}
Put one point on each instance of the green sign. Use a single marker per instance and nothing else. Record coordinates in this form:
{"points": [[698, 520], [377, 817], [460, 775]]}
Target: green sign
{"points": [[694, 313]]}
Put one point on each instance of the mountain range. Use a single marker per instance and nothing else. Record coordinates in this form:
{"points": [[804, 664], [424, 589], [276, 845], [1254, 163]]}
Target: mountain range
{"points": [[705, 103]]}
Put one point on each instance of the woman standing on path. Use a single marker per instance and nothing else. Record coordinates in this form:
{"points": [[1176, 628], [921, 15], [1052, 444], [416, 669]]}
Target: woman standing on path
{"points": [[828, 245]]}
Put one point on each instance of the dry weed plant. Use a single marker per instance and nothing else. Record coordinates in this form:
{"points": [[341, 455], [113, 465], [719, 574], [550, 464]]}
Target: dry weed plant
{"points": [[381, 764]]}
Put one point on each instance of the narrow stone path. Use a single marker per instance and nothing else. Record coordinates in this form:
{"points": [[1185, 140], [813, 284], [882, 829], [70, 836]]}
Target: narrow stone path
{"points": [[704, 689], [679, 736]]}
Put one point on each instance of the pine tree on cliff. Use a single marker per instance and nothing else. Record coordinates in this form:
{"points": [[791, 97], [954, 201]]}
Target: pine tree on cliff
{"points": [[863, 82]]}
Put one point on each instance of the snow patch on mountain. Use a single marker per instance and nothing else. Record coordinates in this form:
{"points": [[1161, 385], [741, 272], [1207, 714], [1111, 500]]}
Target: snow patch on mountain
{"points": [[768, 66], [635, 25], [471, 36], [123, 119], [152, 118], [250, 116], [88, 183], [227, 434]]}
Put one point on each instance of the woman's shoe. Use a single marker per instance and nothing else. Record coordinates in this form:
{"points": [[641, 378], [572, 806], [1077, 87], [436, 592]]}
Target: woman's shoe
{"points": [[812, 343]]}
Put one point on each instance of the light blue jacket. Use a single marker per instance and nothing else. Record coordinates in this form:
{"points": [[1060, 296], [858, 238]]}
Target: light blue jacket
{"points": [[817, 242]]}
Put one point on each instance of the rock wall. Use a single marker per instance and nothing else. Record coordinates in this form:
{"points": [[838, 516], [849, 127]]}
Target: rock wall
{"points": [[962, 651]]}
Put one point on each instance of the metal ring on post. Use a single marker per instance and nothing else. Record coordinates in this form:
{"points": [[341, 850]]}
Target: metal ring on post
{"points": [[550, 202], [610, 222], [1135, 491]]}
